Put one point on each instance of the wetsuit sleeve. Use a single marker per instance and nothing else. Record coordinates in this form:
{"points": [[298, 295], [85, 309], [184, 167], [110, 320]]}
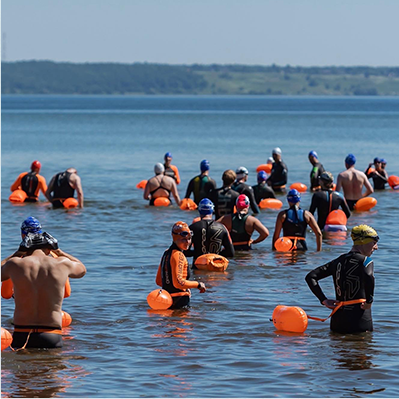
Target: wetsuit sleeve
{"points": [[158, 279], [179, 265], [345, 207], [177, 176], [369, 280], [250, 193], [228, 250], [17, 182], [317, 274], [313, 205], [190, 188]]}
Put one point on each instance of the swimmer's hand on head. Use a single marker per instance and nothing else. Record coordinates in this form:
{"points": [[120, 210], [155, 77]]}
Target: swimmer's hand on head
{"points": [[38, 241], [329, 303]]}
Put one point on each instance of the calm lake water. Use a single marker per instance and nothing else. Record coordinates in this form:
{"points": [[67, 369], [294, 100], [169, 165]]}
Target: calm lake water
{"points": [[225, 345]]}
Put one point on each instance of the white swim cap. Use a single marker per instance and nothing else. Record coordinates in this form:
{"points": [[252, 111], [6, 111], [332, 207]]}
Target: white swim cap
{"points": [[276, 150], [159, 168]]}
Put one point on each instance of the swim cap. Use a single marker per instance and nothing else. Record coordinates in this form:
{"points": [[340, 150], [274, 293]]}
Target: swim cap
{"points": [[204, 165], [159, 168], [242, 202], [206, 207], [383, 161], [377, 160], [180, 227], [35, 165], [242, 170], [276, 150], [262, 176], [270, 160], [31, 225], [363, 234], [327, 177], [350, 159], [313, 154], [293, 196], [168, 155]]}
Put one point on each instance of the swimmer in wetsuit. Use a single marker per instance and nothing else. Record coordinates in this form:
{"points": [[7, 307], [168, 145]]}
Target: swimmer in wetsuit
{"points": [[242, 188], [316, 172], [225, 197], [173, 272], [353, 277], [378, 174], [261, 190], [39, 283], [209, 237], [202, 184], [63, 186], [241, 225], [352, 182], [279, 174], [294, 221], [171, 170], [327, 200], [160, 186], [31, 182]]}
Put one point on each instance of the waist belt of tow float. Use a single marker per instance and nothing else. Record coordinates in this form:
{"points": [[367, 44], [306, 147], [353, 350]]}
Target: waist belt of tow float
{"points": [[236, 244], [295, 240], [185, 293], [339, 305]]}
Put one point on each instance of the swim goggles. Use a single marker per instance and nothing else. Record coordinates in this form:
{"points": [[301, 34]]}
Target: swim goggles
{"points": [[185, 234]]}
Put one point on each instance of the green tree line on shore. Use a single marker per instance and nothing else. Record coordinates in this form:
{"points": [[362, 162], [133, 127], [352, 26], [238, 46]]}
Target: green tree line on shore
{"points": [[47, 77]]}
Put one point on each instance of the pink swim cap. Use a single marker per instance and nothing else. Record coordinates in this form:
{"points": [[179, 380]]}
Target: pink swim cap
{"points": [[242, 202]]}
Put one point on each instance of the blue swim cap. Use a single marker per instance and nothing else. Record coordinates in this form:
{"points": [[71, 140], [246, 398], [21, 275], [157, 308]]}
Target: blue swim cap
{"points": [[168, 155], [293, 196], [262, 176], [313, 154], [31, 225], [383, 160], [377, 160], [204, 165], [206, 207], [350, 159]]}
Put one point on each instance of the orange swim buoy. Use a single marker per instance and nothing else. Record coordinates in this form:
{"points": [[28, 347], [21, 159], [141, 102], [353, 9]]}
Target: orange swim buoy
{"points": [[142, 184], [336, 217], [70, 203], [18, 196], [66, 319], [159, 299], [212, 262], [299, 186], [187, 204], [365, 204], [270, 203], [162, 201], [266, 167], [283, 244], [393, 182], [290, 319], [6, 338]]}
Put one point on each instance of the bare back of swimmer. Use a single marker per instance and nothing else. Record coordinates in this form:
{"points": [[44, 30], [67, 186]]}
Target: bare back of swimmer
{"points": [[161, 186]]}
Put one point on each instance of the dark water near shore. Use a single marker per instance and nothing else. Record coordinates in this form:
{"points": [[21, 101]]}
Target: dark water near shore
{"points": [[225, 345]]}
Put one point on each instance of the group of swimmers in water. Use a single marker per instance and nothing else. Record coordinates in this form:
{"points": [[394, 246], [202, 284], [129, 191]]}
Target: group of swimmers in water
{"points": [[39, 270]]}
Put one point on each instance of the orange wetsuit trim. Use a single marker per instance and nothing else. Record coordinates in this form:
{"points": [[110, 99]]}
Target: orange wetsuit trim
{"points": [[40, 186]]}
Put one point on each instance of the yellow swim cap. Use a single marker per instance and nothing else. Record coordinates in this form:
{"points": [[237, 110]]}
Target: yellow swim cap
{"points": [[363, 234]]}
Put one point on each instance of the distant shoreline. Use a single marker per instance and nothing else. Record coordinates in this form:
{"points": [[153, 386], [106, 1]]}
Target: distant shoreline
{"points": [[62, 78]]}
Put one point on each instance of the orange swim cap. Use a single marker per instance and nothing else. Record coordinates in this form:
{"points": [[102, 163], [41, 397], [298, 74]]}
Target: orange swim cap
{"points": [[180, 227]]}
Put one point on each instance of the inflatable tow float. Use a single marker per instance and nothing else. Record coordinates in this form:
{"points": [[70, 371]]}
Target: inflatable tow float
{"points": [[212, 262], [365, 204]]}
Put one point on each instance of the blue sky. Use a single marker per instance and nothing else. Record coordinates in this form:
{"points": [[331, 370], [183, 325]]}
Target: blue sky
{"points": [[263, 32]]}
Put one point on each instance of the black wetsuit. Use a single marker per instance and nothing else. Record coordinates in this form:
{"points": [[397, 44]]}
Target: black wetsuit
{"points": [[238, 233], [325, 202], [315, 173], [169, 172], [295, 225], [378, 181], [29, 184], [262, 191], [152, 200], [209, 238], [62, 189], [278, 176], [200, 186], [38, 337], [224, 199], [353, 277], [243, 188]]}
